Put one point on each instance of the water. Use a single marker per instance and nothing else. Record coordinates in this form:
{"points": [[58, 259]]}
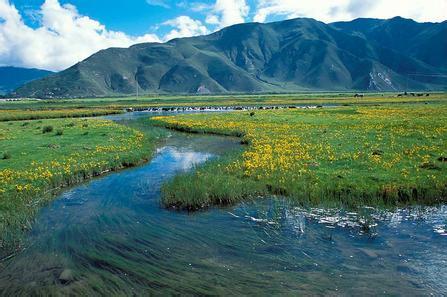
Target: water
{"points": [[111, 236]]}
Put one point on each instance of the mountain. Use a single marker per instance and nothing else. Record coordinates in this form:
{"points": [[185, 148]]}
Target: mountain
{"points": [[13, 77], [293, 55]]}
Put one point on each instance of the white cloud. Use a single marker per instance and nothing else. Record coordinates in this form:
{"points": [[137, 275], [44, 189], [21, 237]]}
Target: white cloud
{"points": [[160, 3], [228, 12], [336, 10], [184, 26], [63, 37]]}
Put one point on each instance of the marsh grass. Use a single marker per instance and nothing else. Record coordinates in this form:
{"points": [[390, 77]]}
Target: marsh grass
{"points": [[348, 156]]}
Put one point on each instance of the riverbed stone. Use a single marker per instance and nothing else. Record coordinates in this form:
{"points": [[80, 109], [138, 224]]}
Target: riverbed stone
{"points": [[66, 276]]}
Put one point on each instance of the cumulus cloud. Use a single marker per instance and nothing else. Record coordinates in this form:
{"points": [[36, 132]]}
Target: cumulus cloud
{"points": [[336, 10], [184, 26], [228, 12], [62, 38]]}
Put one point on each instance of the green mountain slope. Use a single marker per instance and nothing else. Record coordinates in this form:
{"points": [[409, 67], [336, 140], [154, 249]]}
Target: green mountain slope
{"points": [[293, 55], [13, 77]]}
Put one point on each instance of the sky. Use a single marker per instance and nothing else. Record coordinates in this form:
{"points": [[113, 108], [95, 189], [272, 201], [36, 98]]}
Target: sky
{"points": [[55, 34]]}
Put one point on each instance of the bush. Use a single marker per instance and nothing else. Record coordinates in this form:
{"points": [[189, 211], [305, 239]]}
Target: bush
{"points": [[6, 155], [47, 129], [70, 124], [59, 132]]}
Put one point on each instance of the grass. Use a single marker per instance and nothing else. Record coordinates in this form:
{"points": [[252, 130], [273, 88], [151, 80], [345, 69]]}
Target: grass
{"points": [[20, 115], [117, 104], [34, 164], [377, 155]]}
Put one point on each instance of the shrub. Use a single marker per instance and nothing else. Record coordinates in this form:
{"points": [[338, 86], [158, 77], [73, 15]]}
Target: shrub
{"points": [[6, 155], [47, 129], [59, 132], [70, 124]]}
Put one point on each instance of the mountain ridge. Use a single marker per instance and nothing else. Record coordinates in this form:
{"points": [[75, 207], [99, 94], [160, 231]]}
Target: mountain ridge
{"points": [[294, 55], [13, 77]]}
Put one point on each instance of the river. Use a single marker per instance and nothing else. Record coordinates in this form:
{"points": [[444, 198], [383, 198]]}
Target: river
{"points": [[111, 236]]}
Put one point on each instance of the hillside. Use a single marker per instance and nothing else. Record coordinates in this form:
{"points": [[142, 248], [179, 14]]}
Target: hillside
{"points": [[13, 77], [293, 55]]}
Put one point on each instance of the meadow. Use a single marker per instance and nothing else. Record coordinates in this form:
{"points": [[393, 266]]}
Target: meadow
{"points": [[117, 104], [20, 114], [37, 158], [375, 155]]}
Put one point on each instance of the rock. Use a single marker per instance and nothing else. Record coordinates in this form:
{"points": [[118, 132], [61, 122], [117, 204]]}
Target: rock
{"points": [[66, 276]]}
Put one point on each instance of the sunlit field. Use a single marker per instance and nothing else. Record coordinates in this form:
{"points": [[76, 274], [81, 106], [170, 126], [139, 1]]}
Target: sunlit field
{"points": [[380, 155]]}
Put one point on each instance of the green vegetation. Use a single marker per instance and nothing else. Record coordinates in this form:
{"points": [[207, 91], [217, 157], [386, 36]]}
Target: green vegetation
{"points": [[25, 108], [379, 155], [19, 114], [47, 129], [34, 165]]}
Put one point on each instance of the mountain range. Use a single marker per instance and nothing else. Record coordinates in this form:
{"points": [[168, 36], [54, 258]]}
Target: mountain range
{"points": [[293, 55], [13, 77]]}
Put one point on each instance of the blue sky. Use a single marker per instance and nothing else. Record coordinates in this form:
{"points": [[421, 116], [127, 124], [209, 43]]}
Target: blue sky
{"points": [[55, 34], [133, 17]]}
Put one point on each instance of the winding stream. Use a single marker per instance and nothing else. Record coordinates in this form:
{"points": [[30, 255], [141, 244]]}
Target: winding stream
{"points": [[111, 236]]}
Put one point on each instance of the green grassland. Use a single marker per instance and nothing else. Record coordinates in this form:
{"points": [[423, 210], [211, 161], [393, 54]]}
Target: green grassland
{"points": [[378, 155], [221, 100], [20, 114], [39, 157]]}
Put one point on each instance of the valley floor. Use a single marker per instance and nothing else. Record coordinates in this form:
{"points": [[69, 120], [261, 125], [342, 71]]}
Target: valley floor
{"points": [[380, 149]]}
